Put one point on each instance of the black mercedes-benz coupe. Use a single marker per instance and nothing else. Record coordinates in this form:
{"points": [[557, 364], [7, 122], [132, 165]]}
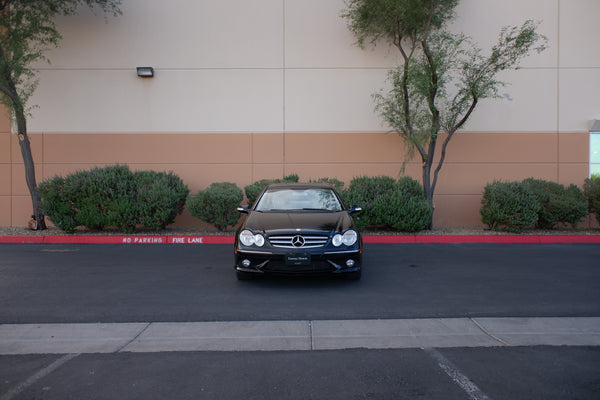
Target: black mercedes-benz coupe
{"points": [[298, 229]]}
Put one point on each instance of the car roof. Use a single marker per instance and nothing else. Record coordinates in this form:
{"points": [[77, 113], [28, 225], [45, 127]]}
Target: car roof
{"points": [[299, 186]]}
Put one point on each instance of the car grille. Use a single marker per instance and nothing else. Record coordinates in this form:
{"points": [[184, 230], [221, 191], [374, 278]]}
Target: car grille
{"points": [[298, 241]]}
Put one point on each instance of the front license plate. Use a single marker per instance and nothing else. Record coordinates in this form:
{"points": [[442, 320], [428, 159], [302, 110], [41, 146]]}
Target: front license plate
{"points": [[297, 259]]}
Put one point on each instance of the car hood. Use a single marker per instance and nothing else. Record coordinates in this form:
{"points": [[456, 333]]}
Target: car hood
{"points": [[273, 222]]}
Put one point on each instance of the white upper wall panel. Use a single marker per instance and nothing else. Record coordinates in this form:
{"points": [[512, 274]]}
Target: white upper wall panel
{"points": [[317, 37], [118, 101], [579, 63], [529, 104], [579, 98], [332, 100], [483, 20], [291, 65], [580, 34], [175, 34]]}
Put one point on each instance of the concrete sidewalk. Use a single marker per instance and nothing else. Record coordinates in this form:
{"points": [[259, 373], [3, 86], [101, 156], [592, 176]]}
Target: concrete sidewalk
{"points": [[297, 335]]}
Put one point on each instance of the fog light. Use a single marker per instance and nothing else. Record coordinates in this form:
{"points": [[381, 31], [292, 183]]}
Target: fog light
{"points": [[350, 263], [246, 263]]}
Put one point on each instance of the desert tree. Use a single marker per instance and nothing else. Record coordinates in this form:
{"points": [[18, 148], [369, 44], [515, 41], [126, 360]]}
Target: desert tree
{"points": [[442, 75], [27, 31]]}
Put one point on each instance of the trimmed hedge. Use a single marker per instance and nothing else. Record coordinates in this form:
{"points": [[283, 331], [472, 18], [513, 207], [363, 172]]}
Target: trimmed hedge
{"points": [[508, 205], [388, 203], [363, 191], [514, 206], [160, 198], [558, 204], [113, 197], [591, 190], [217, 204]]}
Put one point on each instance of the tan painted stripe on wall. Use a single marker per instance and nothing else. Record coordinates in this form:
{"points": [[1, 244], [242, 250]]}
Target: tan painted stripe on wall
{"points": [[473, 160]]}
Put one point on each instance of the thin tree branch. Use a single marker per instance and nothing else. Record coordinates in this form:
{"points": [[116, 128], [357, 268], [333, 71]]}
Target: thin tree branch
{"points": [[449, 137], [406, 95]]}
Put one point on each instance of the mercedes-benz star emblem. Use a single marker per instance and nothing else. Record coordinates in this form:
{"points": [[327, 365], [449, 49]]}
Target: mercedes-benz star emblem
{"points": [[298, 241]]}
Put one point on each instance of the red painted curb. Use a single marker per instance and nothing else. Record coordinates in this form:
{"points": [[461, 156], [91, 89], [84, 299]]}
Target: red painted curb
{"points": [[478, 239], [482, 239], [118, 239], [200, 239], [391, 239], [21, 239], [569, 239]]}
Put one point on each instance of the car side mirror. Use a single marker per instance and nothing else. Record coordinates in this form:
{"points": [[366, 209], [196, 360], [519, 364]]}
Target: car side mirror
{"points": [[244, 209], [354, 209]]}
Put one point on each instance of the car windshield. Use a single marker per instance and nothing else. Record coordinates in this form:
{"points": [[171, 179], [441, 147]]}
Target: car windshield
{"points": [[306, 199]]}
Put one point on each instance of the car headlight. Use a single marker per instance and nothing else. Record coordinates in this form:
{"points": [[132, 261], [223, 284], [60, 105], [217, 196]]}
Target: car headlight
{"points": [[259, 240], [337, 240], [349, 238], [248, 238]]}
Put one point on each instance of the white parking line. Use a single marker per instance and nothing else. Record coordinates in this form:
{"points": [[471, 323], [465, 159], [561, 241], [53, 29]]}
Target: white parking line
{"points": [[457, 377], [11, 394]]}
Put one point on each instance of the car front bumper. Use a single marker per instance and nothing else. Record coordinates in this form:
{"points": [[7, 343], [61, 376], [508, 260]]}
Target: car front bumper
{"points": [[298, 263]]}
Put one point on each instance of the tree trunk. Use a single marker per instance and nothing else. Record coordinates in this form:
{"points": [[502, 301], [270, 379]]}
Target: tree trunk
{"points": [[428, 188], [25, 145], [9, 89]]}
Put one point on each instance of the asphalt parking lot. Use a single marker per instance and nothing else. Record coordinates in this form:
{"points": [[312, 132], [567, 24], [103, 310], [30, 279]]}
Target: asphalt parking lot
{"points": [[521, 373], [173, 283], [434, 321]]}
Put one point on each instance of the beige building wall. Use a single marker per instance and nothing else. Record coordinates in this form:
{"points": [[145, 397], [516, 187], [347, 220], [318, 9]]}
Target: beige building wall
{"points": [[245, 90]]}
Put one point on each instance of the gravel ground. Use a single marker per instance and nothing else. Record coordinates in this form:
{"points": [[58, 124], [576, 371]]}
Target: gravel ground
{"points": [[53, 231]]}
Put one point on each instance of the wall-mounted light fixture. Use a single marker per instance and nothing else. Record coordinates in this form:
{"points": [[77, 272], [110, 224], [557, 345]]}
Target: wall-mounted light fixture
{"points": [[145, 72]]}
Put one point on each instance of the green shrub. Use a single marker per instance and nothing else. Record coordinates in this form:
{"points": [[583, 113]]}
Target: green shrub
{"points": [[557, 203], [61, 212], [363, 191], [113, 196], [411, 187], [401, 210], [508, 205], [254, 190], [160, 198], [217, 204], [388, 203], [93, 198], [591, 190]]}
